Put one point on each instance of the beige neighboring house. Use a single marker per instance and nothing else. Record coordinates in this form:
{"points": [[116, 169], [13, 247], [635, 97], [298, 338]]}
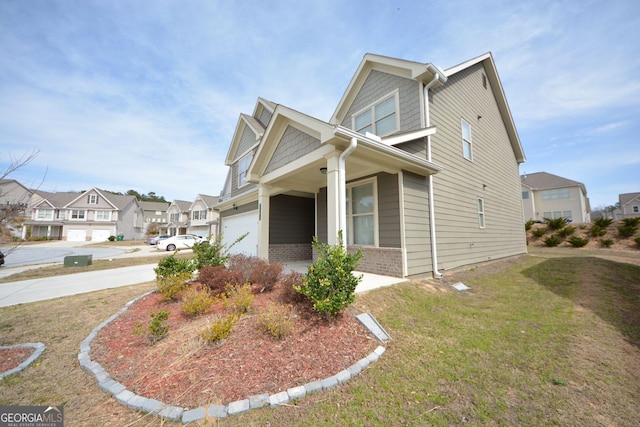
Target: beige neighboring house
{"points": [[418, 167], [92, 215], [629, 206], [545, 195], [203, 220], [177, 218]]}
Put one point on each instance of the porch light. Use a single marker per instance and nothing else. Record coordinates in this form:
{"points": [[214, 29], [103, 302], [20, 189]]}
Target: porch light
{"points": [[323, 171]]}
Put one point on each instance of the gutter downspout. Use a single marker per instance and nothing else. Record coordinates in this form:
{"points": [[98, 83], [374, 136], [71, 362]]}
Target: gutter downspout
{"points": [[342, 191], [432, 213]]}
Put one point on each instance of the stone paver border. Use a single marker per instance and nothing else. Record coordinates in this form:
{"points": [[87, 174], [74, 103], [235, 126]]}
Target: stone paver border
{"points": [[38, 348], [176, 413]]}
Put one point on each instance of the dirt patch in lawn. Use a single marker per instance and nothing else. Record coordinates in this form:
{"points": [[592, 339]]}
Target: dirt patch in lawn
{"points": [[11, 358], [184, 370]]}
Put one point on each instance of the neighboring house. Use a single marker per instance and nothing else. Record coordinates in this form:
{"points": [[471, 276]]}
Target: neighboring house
{"points": [[629, 206], [550, 196], [93, 215], [154, 213], [15, 197], [203, 219], [418, 166], [177, 218]]}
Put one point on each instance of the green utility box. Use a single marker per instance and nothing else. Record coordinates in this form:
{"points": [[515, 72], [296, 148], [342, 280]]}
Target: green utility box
{"points": [[77, 260], [120, 237]]}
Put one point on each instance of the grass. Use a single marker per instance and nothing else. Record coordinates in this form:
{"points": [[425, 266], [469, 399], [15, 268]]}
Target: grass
{"points": [[536, 341]]}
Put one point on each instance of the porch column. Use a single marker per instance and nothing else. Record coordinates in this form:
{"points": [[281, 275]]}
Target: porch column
{"points": [[264, 193], [333, 199]]}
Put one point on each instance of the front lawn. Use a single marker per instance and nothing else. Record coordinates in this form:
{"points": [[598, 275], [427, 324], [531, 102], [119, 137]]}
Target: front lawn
{"points": [[536, 341]]}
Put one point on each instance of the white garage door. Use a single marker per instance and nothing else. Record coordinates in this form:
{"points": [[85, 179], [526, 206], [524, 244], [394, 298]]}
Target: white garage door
{"points": [[100, 235], [235, 226], [77, 235]]}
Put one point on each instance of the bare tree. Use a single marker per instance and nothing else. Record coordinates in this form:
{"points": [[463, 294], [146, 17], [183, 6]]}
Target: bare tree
{"points": [[13, 209]]}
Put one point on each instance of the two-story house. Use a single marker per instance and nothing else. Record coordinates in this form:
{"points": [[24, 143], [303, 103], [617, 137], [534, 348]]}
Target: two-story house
{"points": [[92, 215], [545, 195], [418, 167], [155, 215], [203, 219], [177, 218], [629, 206]]}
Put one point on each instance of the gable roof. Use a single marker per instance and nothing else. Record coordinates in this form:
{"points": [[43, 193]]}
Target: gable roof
{"points": [[154, 206], [547, 181], [209, 201], [498, 93], [409, 69], [254, 125], [627, 198], [95, 190], [183, 205]]}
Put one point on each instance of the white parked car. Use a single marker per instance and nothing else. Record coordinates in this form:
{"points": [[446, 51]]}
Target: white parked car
{"points": [[181, 241]]}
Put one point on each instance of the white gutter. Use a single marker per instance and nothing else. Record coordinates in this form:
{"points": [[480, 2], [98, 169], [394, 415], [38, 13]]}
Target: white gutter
{"points": [[432, 212], [342, 190]]}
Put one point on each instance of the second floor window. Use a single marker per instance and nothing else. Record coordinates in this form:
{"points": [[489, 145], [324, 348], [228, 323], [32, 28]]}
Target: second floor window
{"points": [[45, 214], [77, 214], [103, 215], [243, 169], [175, 217], [556, 193], [93, 199], [380, 119], [466, 140]]}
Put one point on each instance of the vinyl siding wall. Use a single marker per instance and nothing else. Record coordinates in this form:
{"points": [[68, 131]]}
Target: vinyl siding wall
{"points": [[416, 221], [293, 145], [291, 220], [492, 175], [576, 203]]}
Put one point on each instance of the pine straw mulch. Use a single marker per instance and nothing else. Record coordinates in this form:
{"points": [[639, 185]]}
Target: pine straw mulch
{"points": [[184, 370]]}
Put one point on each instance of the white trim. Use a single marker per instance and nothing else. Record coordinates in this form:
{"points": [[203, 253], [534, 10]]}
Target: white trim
{"points": [[403, 235], [482, 217], [371, 109], [348, 188], [464, 141]]}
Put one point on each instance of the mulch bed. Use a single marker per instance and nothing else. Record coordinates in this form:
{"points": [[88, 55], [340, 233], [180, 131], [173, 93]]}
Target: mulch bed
{"points": [[184, 370], [11, 358]]}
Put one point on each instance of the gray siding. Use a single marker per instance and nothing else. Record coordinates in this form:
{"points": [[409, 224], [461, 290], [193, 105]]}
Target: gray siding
{"points": [[492, 175], [416, 221], [249, 207], [388, 211], [264, 117], [247, 141], [234, 182], [291, 220], [293, 145], [379, 84], [322, 215], [417, 147]]}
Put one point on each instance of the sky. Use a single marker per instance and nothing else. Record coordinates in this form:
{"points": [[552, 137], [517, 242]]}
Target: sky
{"points": [[146, 94]]}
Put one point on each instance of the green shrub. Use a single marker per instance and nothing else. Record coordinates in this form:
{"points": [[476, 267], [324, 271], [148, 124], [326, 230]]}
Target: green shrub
{"points": [[606, 242], [217, 278], [529, 224], [637, 240], [172, 287], [552, 241], [627, 230], [172, 266], [631, 222], [578, 242], [112, 238], [539, 232], [277, 321], [210, 253], [220, 329], [556, 223], [566, 231], [156, 330], [597, 231], [603, 222], [196, 301], [238, 298], [330, 283]]}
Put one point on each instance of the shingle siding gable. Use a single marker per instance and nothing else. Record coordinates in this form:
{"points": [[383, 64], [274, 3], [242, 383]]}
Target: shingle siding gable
{"points": [[293, 145], [247, 141], [378, 85]]}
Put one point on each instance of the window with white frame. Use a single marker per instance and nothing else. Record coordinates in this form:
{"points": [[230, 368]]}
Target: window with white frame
{"points": [[466, 140], [381, 118], [525, 195], [558, 214], [93, 199], [243, 169], [103, 215], [174, 217], [362, 213], [556, 194], [78, 214], [61, 214], [481, 213], [636, 209], [199, 214], [45, 214]]}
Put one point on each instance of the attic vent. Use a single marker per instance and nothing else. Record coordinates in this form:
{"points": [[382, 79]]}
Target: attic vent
{"points": [[484, 81]]}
